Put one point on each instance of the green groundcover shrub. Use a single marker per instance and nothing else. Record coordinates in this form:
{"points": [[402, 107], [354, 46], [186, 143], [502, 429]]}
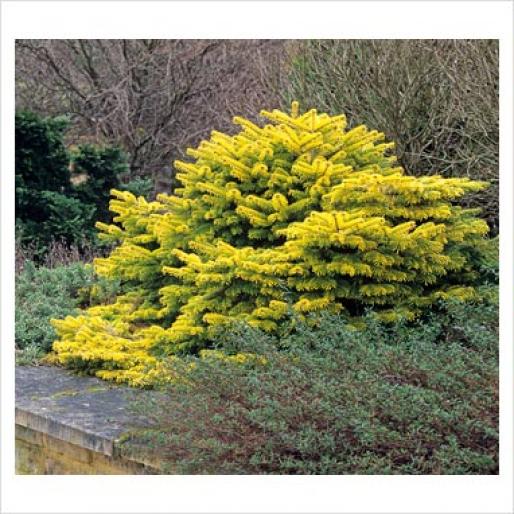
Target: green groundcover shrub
{"points": [[42, 294], [326, 399]]}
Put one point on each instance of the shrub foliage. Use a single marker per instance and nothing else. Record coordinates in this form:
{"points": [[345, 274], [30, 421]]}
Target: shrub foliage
{"points": [[42, 294], [418, 399], [50, 204], [45, 207], [101, 168], [299, 216]]}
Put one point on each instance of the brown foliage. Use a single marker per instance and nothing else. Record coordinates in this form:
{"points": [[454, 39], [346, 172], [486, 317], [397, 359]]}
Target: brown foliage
{"points": [[436, 99], [58, 253]]}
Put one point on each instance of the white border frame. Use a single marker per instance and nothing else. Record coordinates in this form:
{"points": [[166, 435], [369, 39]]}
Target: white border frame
{"points": [[284, 20]]}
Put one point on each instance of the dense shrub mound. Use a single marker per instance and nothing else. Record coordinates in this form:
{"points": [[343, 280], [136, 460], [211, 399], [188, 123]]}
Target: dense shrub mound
{"points": [[298, 216], [60, 192]]}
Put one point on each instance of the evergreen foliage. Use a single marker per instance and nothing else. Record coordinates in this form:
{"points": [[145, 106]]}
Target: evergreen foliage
{"points": [[45, 208], [43, 293], [102, 168], [41, 160], [139, 187], [299, 216], [49, 206]]}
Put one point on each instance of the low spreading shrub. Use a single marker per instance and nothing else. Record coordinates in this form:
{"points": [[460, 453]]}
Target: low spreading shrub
{"points": [[293, 218], [45, 293], [419, 398]]}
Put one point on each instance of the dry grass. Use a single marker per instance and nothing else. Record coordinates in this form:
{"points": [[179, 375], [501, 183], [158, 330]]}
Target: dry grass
{"points": [[59, 253]]}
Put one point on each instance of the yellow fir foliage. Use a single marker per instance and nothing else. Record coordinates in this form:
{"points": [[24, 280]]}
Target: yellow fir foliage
{"points": [[299, 215]]}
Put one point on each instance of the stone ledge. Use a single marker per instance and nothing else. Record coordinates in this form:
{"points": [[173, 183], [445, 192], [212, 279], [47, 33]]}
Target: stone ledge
{"points": [[83, 413], [40, 454]]}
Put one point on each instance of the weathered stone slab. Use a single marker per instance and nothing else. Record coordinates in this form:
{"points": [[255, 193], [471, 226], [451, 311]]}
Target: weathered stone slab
{"points": [[85, 414]]}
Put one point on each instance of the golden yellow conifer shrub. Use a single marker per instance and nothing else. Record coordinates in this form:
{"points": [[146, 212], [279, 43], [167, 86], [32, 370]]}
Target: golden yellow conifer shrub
{"points": [[300, 215]]}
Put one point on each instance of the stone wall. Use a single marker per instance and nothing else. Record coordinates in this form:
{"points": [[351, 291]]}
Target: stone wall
{"points": [[72, 425]]}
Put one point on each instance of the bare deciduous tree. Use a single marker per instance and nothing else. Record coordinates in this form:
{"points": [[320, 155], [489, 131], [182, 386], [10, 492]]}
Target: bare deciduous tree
{"points": [[151, 97], [437, 99]]}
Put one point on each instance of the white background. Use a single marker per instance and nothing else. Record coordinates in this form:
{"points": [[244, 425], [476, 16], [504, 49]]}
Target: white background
{"points": [[284, 20]]}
